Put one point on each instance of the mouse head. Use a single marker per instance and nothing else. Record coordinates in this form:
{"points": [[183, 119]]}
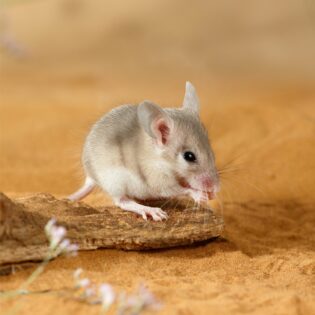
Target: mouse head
{"points": [[182, 143]]}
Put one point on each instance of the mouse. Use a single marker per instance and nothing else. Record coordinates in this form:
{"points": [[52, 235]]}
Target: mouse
{"points": [[144, 152]]}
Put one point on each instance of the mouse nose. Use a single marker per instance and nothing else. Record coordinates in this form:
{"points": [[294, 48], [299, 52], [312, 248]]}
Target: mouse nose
{"points": [[207, 182]]}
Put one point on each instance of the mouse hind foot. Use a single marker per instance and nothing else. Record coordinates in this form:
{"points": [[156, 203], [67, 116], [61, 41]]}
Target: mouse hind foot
{"points": [[86, 189], [127, 204]]}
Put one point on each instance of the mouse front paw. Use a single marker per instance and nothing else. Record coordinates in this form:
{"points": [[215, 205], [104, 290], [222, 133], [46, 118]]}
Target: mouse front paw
{"points": [[127, 204], [157, 214], [198, 196]]}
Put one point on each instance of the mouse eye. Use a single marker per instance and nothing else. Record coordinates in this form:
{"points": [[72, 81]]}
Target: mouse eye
{"points": [[189, 156]]}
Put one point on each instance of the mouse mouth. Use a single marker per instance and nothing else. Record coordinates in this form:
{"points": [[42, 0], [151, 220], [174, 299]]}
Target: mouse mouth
{"points": [[183, 183]]}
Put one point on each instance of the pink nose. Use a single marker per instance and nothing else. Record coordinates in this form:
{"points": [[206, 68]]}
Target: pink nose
{"points": [[207, 183]]}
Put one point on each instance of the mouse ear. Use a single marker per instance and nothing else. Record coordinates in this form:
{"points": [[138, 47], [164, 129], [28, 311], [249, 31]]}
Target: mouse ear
{"points": [[155, 122], [191, 100]]}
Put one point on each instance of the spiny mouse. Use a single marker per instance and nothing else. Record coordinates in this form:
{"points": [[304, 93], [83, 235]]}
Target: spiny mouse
{"points": [[141, 152]]}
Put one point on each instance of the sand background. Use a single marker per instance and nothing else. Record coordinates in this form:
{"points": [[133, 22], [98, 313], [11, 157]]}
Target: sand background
{"points": [[254, 69]]}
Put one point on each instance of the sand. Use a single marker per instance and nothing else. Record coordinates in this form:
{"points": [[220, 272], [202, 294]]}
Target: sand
{"points": [[265, 127], [265, 261]]}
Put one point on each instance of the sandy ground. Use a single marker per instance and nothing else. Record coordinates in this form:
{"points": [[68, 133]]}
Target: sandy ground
{"points": [[265, 261]]}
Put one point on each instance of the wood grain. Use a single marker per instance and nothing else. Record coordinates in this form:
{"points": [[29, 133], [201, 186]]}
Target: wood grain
{"points": [[22, 222]]}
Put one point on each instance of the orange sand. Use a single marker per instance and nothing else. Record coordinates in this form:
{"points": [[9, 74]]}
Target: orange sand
{"points": [[265, 262]]}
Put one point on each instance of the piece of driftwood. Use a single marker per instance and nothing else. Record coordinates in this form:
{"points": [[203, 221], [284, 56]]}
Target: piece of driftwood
{"points": [[22, 223]]}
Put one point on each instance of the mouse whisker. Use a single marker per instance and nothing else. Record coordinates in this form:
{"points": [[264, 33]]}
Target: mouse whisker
{"points": [[229, 170], [221, 208], [176, 204], [227, 195], [187, 204], [249, 184], [193, 204], [167, 202], [240, 167], [232, 162], [257, 188]]}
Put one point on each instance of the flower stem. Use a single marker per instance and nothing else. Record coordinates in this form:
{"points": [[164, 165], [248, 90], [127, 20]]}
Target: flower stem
{"points": [[35, 274]]}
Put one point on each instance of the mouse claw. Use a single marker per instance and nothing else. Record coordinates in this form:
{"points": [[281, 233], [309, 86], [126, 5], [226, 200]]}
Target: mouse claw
{"points": [[144, 216], [156, 218], [162, 215], [157, 214]]}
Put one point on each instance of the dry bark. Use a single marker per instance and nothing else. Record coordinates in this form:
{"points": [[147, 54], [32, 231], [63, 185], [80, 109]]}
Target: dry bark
{"points": [[22, 222]]}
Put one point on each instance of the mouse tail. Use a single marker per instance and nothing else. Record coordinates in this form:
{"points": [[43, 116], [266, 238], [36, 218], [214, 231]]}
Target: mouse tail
{"points": [[87, 188]]}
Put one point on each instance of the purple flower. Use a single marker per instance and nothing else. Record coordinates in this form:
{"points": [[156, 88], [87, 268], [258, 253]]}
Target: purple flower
{"points": [[136, 303], [147, 297], [77, 273], [49, 225], [89, 292], [107, 295], [72, 250], [57, 243], [84, 283]]}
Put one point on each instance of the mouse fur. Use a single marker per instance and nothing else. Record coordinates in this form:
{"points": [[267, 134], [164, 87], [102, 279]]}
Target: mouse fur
{"points": [[137, 152]]}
